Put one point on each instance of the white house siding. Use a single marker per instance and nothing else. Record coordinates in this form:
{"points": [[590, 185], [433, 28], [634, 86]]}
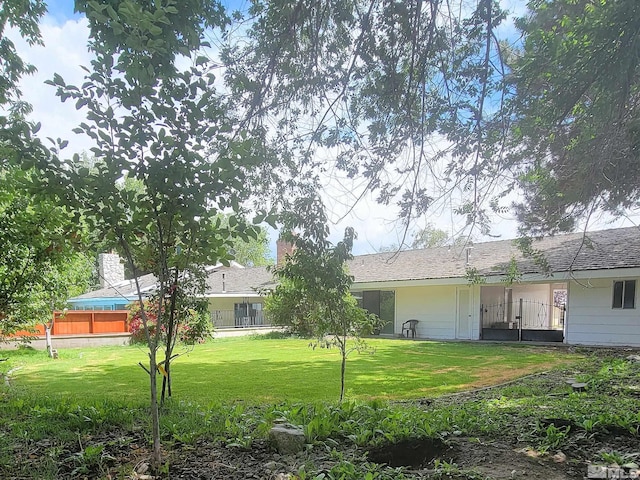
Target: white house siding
{"points": [[434, 306], [475, 312], [592, 321]]}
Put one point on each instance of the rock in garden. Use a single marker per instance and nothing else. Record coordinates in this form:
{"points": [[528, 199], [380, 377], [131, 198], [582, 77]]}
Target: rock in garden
{"points": [[273, 466], [286, 439], [560, 457], [634, 358]]}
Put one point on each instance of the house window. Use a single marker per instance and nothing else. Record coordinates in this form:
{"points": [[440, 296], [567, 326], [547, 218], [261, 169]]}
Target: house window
{"points": [[248, 314], [624, 294]]}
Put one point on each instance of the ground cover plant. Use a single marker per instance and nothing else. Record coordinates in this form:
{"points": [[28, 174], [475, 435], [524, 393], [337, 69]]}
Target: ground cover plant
{"points": [[535, 427]]}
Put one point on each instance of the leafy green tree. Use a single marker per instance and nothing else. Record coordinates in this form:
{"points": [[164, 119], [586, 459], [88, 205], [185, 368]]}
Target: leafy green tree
{"points": [[429, 237], [23, 15], [422, 99], [313, 295], [252, 252], [40, 266], [167, 129], [577, 130]]}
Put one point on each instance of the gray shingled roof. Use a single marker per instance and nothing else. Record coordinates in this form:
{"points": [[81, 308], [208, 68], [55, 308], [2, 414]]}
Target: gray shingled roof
{"points": [[606, 249], [238, 280], [124, 289]]}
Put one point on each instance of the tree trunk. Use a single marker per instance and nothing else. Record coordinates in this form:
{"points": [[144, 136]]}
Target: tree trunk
{"points": [[166, 379], [156, 459], [172, 332], [343, 352]]}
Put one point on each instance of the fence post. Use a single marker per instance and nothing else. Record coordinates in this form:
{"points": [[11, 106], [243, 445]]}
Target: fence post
{"points": [[93, 313], [520, 320]]}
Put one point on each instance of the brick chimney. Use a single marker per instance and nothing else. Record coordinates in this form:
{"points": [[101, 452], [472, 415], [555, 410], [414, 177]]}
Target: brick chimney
{"points": [[283, 248], [110, 269]]}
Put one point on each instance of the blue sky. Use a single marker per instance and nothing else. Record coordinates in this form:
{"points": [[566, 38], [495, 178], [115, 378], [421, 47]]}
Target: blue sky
{"points": [[61, 10]]}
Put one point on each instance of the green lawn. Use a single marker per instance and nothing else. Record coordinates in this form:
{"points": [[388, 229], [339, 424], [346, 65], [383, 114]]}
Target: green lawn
{"points": [[272, 370]]}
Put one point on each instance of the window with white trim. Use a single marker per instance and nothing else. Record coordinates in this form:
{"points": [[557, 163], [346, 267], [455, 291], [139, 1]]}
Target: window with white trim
{"points": [[624, 294]]}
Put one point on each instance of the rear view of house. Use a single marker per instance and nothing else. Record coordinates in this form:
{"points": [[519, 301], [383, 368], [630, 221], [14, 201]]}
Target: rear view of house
{"points": [[585, 294]]}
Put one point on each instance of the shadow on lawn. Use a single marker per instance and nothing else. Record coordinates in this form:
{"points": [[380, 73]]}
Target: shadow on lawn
{"points": [[394, 372]]}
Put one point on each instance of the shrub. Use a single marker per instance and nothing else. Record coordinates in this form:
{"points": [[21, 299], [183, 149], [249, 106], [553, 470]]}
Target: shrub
{"points": [[194, 326]]}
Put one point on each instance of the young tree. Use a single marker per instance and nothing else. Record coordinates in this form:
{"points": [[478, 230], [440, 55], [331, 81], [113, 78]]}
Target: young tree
{"points": [[167, 129], [315, 284]]}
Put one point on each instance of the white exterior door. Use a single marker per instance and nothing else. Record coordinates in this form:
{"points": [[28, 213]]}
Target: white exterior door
{"points": [[463, 323]]}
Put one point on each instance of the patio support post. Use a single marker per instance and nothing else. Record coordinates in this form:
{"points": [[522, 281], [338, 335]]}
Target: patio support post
{"points": [[520, 320]]}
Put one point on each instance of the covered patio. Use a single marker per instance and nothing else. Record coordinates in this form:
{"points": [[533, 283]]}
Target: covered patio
{"points": [[530, 312]]}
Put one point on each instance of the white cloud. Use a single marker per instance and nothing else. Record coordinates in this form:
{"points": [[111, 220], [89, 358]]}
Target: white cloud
{"points": [[64, 51]]}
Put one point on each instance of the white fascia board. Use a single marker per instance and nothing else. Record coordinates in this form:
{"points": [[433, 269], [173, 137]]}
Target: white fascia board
{"points": [[500, 279], [391, 284], [568, 276], [604, 273], [230, 295]]}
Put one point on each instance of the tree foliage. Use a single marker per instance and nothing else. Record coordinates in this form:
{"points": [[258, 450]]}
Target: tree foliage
{"points": [[577, 106], [40, 266], [404, 95], [428, 237], [168, 130], [24, 16], [252, 251], [423, 101], [313, 295]]}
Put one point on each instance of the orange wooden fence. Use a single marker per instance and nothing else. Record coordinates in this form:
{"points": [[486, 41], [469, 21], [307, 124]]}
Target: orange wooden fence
{"points": [[85, 322]]}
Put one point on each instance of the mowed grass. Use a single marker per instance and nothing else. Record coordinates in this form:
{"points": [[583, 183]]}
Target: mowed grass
{"points": [[265, 370]]}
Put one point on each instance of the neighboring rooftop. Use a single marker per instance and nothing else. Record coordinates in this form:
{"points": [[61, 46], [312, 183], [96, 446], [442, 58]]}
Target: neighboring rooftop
{"points": [[125, 289], [231, 281]]}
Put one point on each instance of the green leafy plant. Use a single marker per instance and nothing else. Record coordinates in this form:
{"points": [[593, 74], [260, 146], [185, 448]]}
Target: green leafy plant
{"points": [[314, 298], [552, 437]]}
